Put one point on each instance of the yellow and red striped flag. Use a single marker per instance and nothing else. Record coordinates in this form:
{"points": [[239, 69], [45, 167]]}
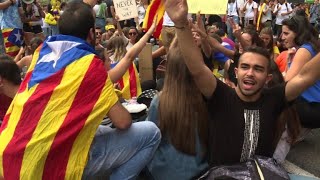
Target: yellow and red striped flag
{"points": [[129, 83], [156, 8], [13, 39], [258, 28], [50, 125]]}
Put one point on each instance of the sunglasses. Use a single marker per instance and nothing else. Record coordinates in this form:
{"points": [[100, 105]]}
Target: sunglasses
{"points": [[132, 33], [98, 33]]}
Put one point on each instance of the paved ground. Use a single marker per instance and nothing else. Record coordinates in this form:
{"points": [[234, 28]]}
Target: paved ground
{"points": [[304, 157]]}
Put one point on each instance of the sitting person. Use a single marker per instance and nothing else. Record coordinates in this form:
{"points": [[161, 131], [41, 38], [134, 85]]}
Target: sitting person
{"points": [[298, 34], [53, 130], [177, 158], [130, 82], [241, 119], [9, 83], [26, 60]]}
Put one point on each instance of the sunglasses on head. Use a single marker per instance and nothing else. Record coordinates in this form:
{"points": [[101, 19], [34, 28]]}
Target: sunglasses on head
{"points": [[132, 33]]}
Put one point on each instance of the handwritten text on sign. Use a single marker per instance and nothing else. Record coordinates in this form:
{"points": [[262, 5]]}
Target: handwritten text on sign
{"points": [[125, 9], [208, 7]]}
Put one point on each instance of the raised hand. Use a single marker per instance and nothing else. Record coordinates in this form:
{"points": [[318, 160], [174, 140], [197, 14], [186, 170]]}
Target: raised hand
{"points": [[200, 22], [236, 29], [177, 11], [197, 29], [154, 24]]}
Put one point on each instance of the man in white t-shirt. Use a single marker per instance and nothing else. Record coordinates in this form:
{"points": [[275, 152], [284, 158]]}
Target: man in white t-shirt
{"points": [[250, 8], [282, 11]]}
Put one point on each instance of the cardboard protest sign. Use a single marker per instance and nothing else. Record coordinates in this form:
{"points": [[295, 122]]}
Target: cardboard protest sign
{"points": [[125, 9], [146, 63], [208, 7]]}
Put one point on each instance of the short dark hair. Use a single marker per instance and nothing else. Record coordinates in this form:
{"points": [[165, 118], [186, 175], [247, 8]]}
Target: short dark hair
{"points": [[35, 43], [221, 33], [76, 20], [261, 51], [9, 70]]}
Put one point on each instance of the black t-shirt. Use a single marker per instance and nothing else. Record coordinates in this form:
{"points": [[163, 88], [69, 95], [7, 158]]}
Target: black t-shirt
{"points": [[236, 126]]}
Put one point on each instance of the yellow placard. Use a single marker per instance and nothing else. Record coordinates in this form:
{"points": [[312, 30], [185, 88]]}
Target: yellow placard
{"points": [[208, 6]]}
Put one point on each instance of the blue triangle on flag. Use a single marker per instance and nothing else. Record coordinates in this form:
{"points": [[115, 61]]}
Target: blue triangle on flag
{"points": [[16, 37]]}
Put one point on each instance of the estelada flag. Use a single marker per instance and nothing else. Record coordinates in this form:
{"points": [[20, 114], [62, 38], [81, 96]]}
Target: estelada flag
{"points": [[129, 83], [258, 28], [50, 125], [13, 40], [156, 8]]}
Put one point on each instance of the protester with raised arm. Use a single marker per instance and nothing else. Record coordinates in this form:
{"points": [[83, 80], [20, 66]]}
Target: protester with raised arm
{"points": [[250, 108]]}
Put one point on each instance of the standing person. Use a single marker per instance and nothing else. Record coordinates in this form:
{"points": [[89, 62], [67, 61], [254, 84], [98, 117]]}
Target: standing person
{"points": [[282, 11], [45, 26], [233, 14], [314, 13], [56, 113], [251, 10], [240, 4], [167, 32], [142, 9], [31, 15], [11, 27], [251, 109], [52, 19], [101, 12], [265, 15]]}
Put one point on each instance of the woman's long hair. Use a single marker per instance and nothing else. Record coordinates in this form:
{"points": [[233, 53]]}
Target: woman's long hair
{"points": [[183, 113], [305, 33], [289, 116], [269, 46], [116, 47]]}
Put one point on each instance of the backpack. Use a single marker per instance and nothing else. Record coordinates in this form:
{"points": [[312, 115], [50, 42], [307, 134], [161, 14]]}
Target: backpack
{"points": [[255, 168]]}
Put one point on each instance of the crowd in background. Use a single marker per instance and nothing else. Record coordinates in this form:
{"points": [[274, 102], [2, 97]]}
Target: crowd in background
{"points": [[288, 33]]}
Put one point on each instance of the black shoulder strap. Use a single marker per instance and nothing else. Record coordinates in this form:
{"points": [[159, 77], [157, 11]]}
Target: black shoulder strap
{"points": [[286, 6]]}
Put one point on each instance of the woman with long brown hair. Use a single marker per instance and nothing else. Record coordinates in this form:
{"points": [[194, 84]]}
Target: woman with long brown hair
{"points": [[183, 124]]}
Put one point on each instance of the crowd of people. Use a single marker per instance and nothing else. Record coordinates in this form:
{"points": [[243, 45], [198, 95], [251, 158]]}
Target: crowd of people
{"points": [[228, 87]]}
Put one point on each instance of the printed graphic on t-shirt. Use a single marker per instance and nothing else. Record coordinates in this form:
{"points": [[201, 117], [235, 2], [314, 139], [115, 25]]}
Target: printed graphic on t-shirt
{"points": [[251, 133]]}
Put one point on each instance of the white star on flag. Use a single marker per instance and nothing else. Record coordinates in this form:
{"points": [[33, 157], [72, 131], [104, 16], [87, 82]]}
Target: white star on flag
{"points": [[58, 48], [18, 36]]}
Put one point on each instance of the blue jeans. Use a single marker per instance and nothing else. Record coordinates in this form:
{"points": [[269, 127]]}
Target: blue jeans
{"points": [[122, 153], [54, 30]]}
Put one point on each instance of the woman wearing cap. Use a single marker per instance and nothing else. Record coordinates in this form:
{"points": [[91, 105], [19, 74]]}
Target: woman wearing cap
{"points": [[31, 15]]}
